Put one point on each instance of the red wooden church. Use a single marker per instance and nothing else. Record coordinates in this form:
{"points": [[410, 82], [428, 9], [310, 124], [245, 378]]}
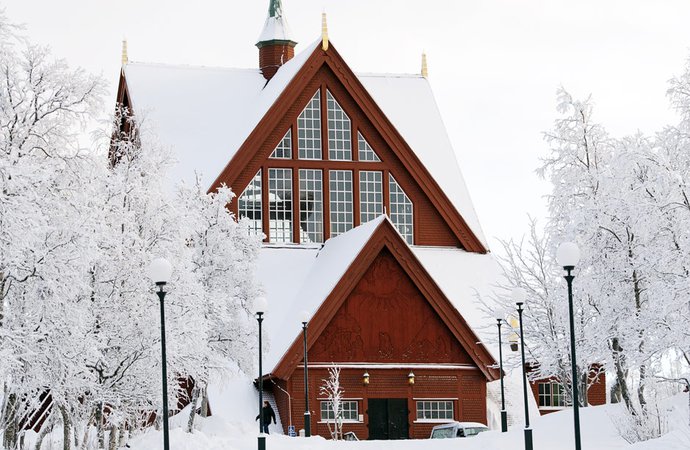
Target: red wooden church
{"points": [[367, 221]]}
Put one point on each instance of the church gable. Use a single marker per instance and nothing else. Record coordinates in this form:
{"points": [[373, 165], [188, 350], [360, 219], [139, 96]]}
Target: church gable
{"points": [[383, 290], [326, 163], [386, 319]]}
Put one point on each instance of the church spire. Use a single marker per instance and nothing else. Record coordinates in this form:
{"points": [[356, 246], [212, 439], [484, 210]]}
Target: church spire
{"points": [[275, 44]]}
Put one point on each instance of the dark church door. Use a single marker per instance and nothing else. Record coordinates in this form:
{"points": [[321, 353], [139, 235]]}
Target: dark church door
{"points": [[388, 418]]}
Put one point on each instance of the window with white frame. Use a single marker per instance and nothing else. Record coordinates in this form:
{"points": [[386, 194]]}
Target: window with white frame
{"points": [[551, 394], [435, 410], [309, 129], [284, 148], [339, 131], [311, 205], [370, 195], [348, 408], [280, 205], [249, 204], [366, 153], [401, 210], [340, 186]]}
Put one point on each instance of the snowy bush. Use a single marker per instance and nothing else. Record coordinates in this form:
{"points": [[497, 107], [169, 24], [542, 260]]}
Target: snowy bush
{"points": [[334, 396]]}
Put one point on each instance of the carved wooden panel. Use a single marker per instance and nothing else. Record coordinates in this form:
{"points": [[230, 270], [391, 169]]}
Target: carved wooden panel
{"points": [[386, 319]]}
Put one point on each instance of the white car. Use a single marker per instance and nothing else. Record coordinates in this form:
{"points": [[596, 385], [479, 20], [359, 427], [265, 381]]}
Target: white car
{"points": [[457, 430]]}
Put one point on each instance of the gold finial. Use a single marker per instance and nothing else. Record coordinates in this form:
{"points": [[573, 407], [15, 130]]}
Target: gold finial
{"points": [[125, 58], [324, 32], [425, 68]]}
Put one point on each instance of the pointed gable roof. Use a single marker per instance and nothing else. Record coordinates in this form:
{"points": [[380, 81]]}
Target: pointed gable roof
{"points": [[210, 116], [337, 269]]}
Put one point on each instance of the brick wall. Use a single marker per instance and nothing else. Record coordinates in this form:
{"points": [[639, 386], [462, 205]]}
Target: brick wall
{"points": [[466, 387]]}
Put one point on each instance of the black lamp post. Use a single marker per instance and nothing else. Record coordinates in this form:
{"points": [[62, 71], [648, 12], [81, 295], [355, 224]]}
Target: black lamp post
{"points": [[519, 299], [307, 413], [260, 308], [160, 271], [500, 315], [568, 255]]}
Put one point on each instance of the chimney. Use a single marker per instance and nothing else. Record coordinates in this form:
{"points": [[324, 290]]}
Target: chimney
{"points": [[275, 46]]}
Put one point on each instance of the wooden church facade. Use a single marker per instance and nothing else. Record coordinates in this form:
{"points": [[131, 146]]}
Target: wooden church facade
{"points": [[323, 171]]}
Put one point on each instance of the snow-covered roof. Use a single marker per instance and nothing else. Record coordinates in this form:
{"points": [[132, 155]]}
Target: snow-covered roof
{"points": [[299, 279], [275, 29], [304, 288], [205, 114]]}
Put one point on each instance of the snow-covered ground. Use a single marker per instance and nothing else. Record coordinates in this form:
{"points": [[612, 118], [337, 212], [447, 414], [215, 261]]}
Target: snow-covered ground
{"points": [[232, 427]]}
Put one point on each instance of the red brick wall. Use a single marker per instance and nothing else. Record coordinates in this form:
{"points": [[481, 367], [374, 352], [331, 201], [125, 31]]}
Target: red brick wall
{"points": [[466, 386], [271, 57]]}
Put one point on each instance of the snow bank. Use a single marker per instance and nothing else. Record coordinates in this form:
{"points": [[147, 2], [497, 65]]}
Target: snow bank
{"points": [[232, 427]]}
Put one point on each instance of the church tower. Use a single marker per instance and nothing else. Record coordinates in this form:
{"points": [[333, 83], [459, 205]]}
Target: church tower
{"points": [[275, 45]]}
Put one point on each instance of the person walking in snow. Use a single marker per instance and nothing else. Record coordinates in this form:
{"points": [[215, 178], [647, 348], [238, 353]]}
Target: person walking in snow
{"points": [[268, 414]]}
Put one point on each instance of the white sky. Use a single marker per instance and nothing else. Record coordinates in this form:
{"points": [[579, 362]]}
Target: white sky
{"points": [[494, 65]]}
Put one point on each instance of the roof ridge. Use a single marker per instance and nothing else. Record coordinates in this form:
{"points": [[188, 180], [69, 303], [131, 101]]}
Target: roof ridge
{"points": [[191, 66]]}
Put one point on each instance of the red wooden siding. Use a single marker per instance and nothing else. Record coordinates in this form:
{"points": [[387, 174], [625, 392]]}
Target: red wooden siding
{"points": [[386, 319]]}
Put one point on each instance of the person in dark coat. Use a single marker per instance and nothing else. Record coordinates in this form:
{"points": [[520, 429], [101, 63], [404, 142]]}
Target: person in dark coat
{"points": [[268, 414]]}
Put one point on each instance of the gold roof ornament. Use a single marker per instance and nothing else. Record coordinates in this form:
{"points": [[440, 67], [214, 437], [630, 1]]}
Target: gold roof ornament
{"points": [[324, 32], [125, 58], [425, 68]]}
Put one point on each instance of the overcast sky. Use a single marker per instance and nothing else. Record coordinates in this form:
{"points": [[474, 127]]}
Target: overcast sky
{"points": [[494, 65]]}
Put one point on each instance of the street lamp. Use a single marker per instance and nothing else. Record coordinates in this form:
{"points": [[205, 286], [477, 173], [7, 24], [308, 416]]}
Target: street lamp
{"points": [[568, 255], [159, 272], [260, 306], [519, 297], [304, 317], [500, 316]]}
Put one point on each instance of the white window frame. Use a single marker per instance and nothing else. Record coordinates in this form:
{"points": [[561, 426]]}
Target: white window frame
{"points": [[338, 202], [309, 145], [274, 230], [339, 130], [284, 148], [369, 208], [345, 400], [253, 205], [437, 409], [313, 178], [397, 214]]}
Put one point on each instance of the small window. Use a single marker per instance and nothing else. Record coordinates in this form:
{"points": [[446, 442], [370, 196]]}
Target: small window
{"points": [[249, 204], [349, 410], [551, 394], [370, 195], [366, 153], [284, 148], [435, 410], [311, 205], [309, 129], [280, 205], [402, 212], [340, 184], [339, 131]]}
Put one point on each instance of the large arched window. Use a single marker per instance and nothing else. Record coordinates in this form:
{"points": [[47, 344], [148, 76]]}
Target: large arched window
{"points": [[334, 190]]}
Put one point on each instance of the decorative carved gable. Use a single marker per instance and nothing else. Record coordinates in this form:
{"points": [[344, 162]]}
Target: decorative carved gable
{"points": [[386, 319]]}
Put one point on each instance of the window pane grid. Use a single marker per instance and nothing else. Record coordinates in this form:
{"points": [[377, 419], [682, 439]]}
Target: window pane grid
{"points": [[280, 205], [551, 394], [402, 212], [249, 204], [339, 131], [435, 410], [370, 195], [348, 408], [311, 205], [309, 129], [284, 148], [366, 153], [340, 185]]}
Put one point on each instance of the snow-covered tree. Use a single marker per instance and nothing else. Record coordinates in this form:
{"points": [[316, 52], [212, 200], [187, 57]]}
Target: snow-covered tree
{"points": [[333, 393]]}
